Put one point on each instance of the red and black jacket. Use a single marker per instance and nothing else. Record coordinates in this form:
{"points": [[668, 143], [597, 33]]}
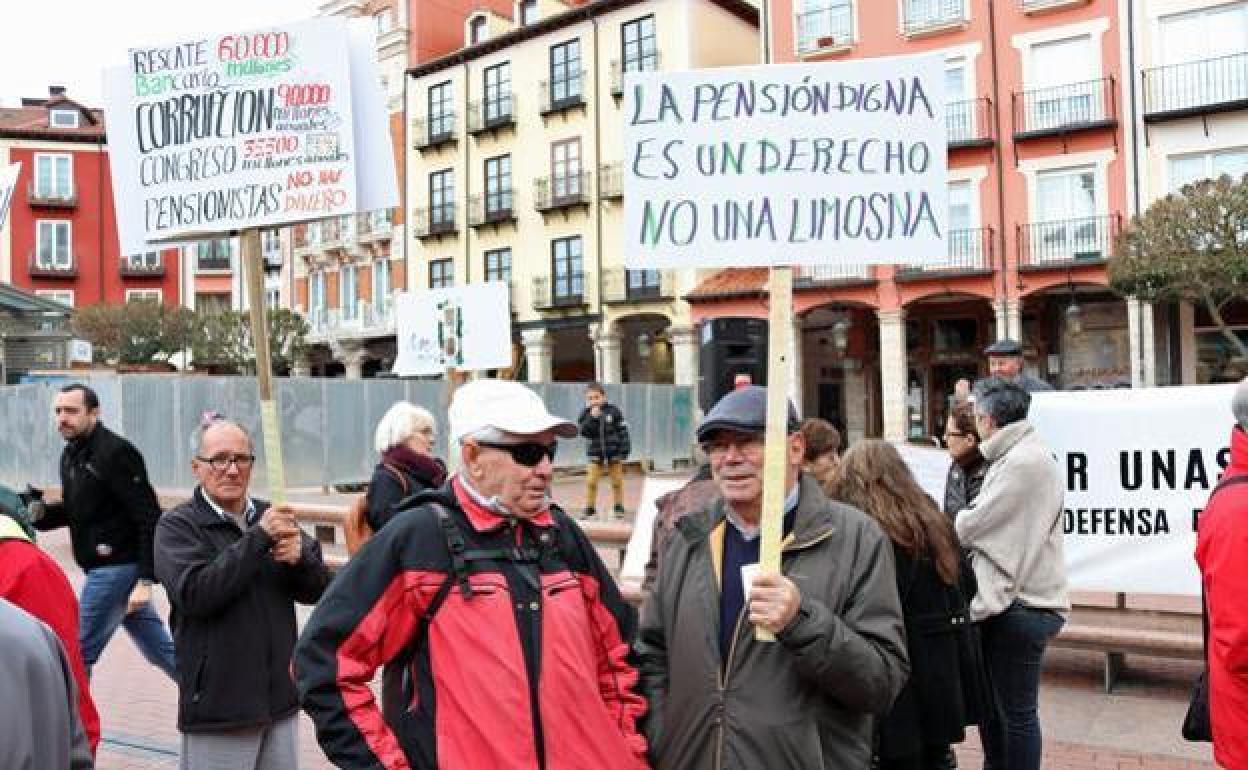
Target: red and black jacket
{"points": [[524, 662]]}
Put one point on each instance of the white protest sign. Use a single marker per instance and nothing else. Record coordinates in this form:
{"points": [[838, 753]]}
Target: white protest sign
{"points": [[465, 327], [246, 129], [812, 163], [1138, 466], [8, 184], [638, 552]]}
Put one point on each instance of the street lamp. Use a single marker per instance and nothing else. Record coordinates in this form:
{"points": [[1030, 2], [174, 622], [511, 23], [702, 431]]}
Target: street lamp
{"points": [[840, 334]]}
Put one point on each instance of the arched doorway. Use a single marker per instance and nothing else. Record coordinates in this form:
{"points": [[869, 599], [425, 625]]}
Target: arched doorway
{"points": [[841, 368], [645, 349], [1076, 337], [945, 337]]}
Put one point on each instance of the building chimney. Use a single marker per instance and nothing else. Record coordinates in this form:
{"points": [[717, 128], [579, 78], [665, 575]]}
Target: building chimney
{"points": [[55, 92]]}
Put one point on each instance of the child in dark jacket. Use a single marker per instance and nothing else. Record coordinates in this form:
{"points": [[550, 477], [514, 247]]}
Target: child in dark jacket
{"points": [[609, 445]]}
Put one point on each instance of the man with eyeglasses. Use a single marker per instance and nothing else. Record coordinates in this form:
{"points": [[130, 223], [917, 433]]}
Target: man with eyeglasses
{"points": [[111, 511], [234, 567], [718, 697], [504, 639]]}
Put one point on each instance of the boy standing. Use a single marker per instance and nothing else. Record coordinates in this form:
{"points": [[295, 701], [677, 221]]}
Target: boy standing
{"points": [[603, 424]]}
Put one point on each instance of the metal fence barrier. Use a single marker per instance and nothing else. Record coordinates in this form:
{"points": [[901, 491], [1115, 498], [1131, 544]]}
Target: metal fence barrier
{"points": [[327, 424]]}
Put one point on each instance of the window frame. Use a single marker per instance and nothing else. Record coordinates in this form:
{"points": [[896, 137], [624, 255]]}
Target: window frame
{"points": [[567, 85], [75, 118], [496, 105], [572, 274], [565, 171], [52, 160], [145, 295], [55, 262], [498, 197], [501, 269], [440, 102], [442, 273], [646, 55], [442, 197]]}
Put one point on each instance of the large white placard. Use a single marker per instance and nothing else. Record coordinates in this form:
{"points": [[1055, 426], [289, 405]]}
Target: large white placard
{"points": [[465, 327], [796, 164], [8, 184], [247, 129], [1138, 466]]}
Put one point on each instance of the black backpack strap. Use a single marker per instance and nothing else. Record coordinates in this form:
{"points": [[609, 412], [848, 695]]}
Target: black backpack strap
{"points": [[456, 548]]}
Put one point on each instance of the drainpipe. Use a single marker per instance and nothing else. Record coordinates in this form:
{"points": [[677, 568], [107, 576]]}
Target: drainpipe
{"points": [[1001, 240], [600, 361], [1135, 164], [467, 175], [99, 185], [403, 196]]}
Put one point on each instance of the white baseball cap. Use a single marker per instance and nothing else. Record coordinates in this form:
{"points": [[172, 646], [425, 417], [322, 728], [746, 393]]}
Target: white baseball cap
{"points": [[503, 405]]}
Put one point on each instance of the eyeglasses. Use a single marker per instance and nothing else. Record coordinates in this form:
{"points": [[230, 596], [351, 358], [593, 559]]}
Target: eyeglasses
{"points": [[528, 454], [719, 447], [221, 463]]}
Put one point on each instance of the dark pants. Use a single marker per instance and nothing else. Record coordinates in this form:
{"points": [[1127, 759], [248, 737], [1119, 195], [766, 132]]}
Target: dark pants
{"points": [[930, 758], [1014, 643]]}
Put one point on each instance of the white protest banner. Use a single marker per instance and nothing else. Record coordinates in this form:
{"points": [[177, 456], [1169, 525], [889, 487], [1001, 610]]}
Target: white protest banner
{"points": [[245, 129], [8, 184], [812, 163], [1138, 465], [465, 327], [633, 569]]}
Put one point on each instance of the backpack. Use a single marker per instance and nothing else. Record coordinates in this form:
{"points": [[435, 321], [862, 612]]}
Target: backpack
{"points": [[355, 527]]}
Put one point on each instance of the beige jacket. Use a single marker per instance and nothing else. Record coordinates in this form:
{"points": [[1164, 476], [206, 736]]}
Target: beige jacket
{"points": [[1014, 527]]}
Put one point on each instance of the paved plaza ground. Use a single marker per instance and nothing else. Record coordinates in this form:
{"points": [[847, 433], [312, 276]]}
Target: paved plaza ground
{"points": [[1135, 727]]}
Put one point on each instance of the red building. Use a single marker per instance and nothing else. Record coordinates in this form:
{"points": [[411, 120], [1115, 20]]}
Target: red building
{"points": [[61, 240]]}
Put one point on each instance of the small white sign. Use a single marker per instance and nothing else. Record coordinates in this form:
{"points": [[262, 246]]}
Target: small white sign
{"points": [[8, 185], [465, 327], [796, 164], [80, 351]]}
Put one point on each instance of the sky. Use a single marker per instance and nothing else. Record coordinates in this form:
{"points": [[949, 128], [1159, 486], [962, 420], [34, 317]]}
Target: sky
{"points": [[68, 42]]}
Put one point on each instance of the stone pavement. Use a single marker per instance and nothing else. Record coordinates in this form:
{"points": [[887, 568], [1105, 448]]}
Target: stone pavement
{"points": [[1136, 728]]}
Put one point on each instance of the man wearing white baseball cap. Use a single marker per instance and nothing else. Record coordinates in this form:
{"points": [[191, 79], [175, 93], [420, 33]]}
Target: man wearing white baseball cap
{"points": [[470, 597]]}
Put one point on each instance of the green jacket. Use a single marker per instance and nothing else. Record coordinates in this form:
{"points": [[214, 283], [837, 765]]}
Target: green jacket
{"points": [[805, 702]]}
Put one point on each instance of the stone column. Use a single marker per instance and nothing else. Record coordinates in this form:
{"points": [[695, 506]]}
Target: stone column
{"points": [[1009, 320], [893, 382], [795, 366], [855, 402], [684, 354], [302, 366], [1187, 344], [353, 358], [537, 350], [608, 346], [1143, 344]]}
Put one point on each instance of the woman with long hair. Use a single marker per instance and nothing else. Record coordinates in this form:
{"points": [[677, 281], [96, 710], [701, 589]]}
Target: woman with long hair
{"points": [[930, 713]]}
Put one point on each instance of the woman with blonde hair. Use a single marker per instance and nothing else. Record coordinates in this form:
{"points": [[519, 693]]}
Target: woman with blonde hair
{"points": [[931, 711], [405, 440]]}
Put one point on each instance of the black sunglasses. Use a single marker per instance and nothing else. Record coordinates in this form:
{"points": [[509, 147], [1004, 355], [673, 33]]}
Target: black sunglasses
{"points": [[528, 454]]}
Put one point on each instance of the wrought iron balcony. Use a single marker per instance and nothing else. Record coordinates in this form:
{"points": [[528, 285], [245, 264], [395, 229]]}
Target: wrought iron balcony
{"points": [[431, 134], [44, 266], [1064, 109], [564, 94], [923, 16], [808, 276], [1067, 242], [489, 114], [647, 62], [621, 285], [1196, 88], [142, 267], [560, 192], [610, 181], [51, 199], [555, 292], [434, 221], [970, 251], [492, 208], [970, 123], [375, 226], [824, 28]]}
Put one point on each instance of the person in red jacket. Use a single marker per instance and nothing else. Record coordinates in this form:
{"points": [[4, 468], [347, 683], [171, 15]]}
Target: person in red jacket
{"points": [[30, 579], [1221, 543]]}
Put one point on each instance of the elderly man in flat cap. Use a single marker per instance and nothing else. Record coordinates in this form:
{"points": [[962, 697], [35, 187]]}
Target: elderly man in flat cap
{"points": [[720, 698], [1005, 360]]}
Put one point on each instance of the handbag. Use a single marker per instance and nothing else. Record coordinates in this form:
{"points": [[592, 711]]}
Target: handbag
{"points": [[1197, 724]]}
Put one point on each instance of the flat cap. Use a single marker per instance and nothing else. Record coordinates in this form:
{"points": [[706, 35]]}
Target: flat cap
{"points": [[1005, 347], [743, 410]]}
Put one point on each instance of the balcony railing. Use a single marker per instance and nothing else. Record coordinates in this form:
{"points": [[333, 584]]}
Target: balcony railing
{"points": [[1196, 88], [647, 62], [830, 27], [427, 135], [559, 95], [331, 235], [488, 114], [620, 285], [46, 267], [808, 276], [492, 208], [212, 264], [434, 221], [920, 16], [552, 293], [375, 226], [142, 269], [1066, 242], [558, 192], [1065, 108], [970, 123], [1042, 6], [363, 319], [272, 259], [610, 181], [970, 251], [53, 199]]}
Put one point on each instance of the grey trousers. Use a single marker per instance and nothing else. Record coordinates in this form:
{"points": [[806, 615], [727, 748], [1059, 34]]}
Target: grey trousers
{"points": [[272, 747]]}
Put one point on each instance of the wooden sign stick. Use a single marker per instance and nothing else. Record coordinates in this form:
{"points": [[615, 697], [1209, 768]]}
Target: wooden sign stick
{"points": [[775, 451], [271, 427]]}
